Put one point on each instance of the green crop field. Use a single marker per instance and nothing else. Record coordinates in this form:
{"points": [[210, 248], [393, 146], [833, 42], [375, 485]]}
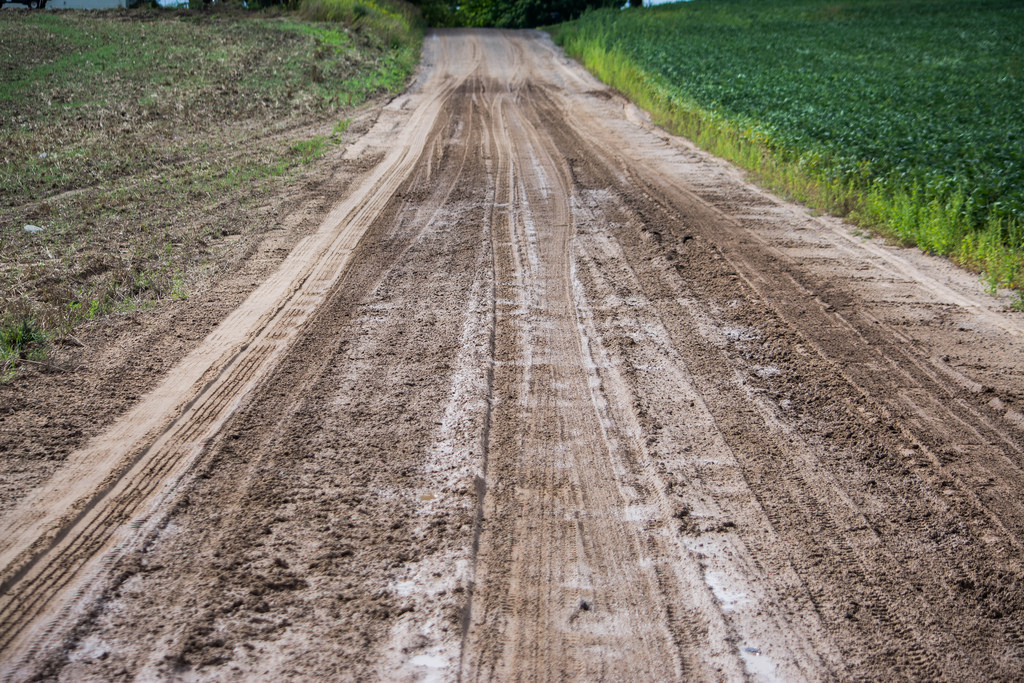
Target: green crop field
{"points": [[906, 115]]}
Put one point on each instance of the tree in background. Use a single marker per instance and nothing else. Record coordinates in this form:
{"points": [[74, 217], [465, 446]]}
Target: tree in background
{"points": [[506, 13]]}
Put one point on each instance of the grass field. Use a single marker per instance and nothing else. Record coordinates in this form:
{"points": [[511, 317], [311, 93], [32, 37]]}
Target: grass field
{"points": [[904, 115], [134, 141]]}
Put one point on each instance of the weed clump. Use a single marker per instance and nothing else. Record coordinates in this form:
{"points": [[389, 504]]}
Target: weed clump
{"points": [[20, 340]]}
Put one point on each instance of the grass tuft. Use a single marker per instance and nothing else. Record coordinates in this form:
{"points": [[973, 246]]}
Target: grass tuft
{"points": [[20, 340]]}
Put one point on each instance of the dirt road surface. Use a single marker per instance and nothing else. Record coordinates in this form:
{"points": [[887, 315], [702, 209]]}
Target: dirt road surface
{"points": [[548, 395]]}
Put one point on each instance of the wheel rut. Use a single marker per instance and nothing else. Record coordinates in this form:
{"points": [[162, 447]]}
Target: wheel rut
{"points": [[56, 538]]}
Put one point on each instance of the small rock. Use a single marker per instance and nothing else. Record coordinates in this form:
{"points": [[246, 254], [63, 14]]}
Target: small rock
{"points": [[33, 228]]}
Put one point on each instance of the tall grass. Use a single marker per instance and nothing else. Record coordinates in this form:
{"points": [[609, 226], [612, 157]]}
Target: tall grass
{"points": [[397, 23]]}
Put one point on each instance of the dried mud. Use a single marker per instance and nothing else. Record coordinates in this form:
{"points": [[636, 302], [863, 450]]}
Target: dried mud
{"points": [[549, 394]]}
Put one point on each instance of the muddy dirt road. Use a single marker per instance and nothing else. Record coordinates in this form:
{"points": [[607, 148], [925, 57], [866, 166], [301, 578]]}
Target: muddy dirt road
{"points": [[550, 395]]}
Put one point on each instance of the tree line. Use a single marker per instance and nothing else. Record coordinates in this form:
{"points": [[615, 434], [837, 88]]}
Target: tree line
{"points": [[506, 13]]}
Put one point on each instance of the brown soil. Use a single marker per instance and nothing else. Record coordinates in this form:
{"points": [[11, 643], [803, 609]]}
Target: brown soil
{"points": [[549, 394]]}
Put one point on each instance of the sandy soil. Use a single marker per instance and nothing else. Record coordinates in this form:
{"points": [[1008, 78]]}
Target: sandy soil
{"points": [[549, 394]]}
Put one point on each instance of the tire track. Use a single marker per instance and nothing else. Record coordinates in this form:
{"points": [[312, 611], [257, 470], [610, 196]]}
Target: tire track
{"points": [[56, 539], [556, 570], [902, 385], [864, 558]]}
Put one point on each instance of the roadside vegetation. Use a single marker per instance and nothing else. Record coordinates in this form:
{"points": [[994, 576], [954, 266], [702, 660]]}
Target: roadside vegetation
{"points": [[904, 115], [136, 142]]}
